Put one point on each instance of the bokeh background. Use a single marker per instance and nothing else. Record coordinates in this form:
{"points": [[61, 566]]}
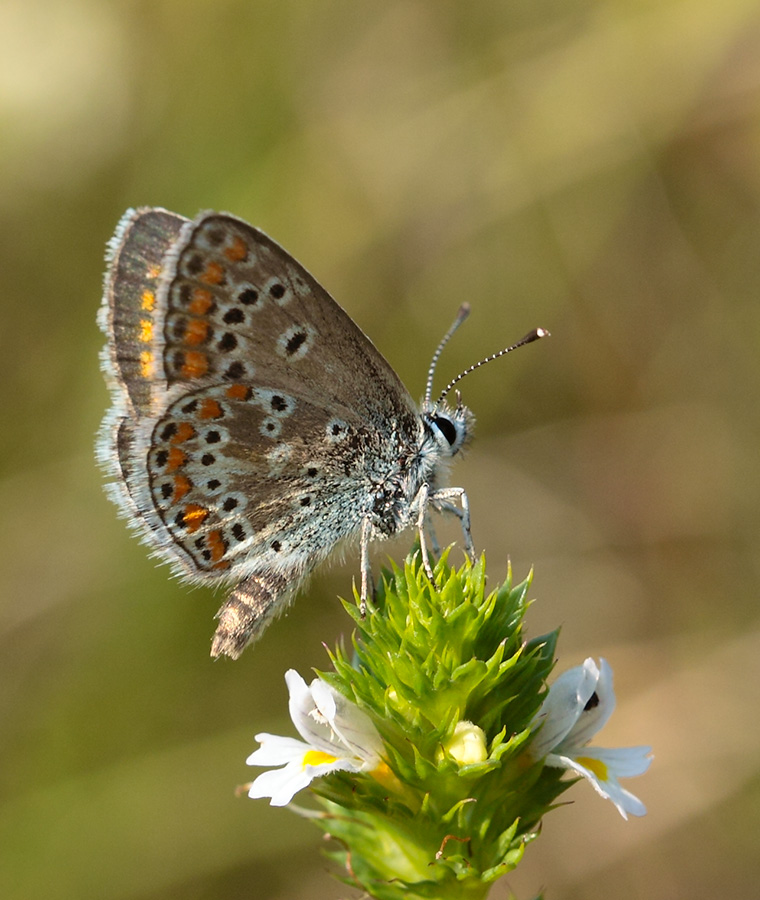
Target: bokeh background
{"points": [[589, 167]]}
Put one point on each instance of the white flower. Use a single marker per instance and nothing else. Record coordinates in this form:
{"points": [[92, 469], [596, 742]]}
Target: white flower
{"points": [[337, 736], [578, 704]]}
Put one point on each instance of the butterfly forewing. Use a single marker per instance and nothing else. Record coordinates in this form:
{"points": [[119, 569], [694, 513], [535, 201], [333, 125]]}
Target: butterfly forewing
{"points": [[239, 306]]}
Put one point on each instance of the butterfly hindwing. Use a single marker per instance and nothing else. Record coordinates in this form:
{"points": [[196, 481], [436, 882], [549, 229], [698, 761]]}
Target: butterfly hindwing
{"points": [[246, 476]]}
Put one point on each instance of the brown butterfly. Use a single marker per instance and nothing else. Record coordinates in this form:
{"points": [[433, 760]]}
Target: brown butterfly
{"points": [[254, 427]]}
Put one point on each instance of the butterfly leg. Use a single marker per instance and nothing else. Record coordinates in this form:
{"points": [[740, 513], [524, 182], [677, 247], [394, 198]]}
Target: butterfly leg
{"points": [[436, 547], [368, 586], [421, 502], [441, 500]]}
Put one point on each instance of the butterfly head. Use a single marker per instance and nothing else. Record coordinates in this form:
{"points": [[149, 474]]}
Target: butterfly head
{"points": [[450, 427]]}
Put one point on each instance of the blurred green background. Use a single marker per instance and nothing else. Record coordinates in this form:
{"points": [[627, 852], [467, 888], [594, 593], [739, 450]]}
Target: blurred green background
{"points": [[589, 167]]}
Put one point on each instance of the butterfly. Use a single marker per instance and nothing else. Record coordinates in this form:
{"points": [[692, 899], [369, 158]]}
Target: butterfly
{"points": [[253, 426]]}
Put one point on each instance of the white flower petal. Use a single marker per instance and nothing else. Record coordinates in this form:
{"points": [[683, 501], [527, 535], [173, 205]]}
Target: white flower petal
{"points": [[626, 802], [562, 707], [356, 732], [596, 710], [276, 750], [297, 687], [324, 699], [301, 705], [604, 783], [281, 784], [624, 762], [310, 723]]}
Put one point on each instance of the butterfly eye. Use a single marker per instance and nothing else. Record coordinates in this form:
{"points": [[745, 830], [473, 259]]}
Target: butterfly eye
{"points": [[447, 428]]}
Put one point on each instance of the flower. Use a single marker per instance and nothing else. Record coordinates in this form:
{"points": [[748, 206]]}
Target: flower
{"points": [[578, 704], [467, 745], [337, 736]]}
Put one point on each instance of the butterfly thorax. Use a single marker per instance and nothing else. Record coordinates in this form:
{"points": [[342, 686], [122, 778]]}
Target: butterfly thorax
{"points": [[396, 496]]}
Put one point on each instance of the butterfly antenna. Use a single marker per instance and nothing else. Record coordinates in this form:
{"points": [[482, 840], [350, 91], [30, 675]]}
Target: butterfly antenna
{"points": [[464, 311], [528, 339]]}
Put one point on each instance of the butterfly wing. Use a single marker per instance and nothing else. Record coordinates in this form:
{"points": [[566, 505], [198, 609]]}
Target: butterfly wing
{"points": [[246, 478], [237, 305], [128, 316], [250, 409]]}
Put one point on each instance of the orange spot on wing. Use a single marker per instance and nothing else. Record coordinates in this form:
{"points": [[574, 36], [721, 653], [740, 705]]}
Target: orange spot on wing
{"points": [[216, 545], [237, 250], [201, 302], [238, 392], [193, 516], [176, 459], [184, 432], [196, 331], [148, 301], [210, 409], [147, 364], [195, 364], [146, 331], [181, 486], [213, 274], [154, 271]]}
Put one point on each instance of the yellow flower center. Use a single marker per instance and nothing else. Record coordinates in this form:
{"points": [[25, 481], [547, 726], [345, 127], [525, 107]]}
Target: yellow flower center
{"points": [[593, 765], [316, 758]]}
